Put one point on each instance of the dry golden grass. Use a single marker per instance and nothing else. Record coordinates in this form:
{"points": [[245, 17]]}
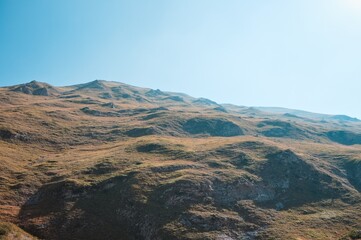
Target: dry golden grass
{"points": [[59, 142]]}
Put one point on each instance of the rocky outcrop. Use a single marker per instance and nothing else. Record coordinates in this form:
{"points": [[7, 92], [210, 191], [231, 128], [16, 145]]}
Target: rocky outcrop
{"points": [[100, 168], [205, 101], [155, 93], [139, 132], [276, 132], [98, 113], [105, 95], [353, 169], [344, 137], [109, 105], [152, 148], [36, 88], [228, 193], [6, 134], [276, 128], [212, 127], [295, 181], [94, 85], [220, 109], [174, 98]]}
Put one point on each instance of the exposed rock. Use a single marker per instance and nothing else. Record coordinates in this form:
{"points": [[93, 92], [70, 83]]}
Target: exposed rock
{"points": [[173, 152], [204, 101], [276, 128], [115, 202], [151, 110], [276, 132], [70, 96], [101, 168], [6, 134], [109, 105], [175, 98], [294, 181], [275, 123], [291, 115], [242, 160], [94, 85], [41, 91], [213, 127], [151, 148], [105, 95], [122, 112], [220, 109], [138, 132], [344, 137], [155, 93], [153, 116], [170, 168], [97, 113], [214, 221], [353, 169], [235, 155], [140, 99], [121, 92], [36, 88], [229, 193], [85, 101]]}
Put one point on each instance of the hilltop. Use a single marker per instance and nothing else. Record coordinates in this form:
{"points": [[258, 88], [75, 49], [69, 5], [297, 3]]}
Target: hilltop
{"points": [[107, 160]]}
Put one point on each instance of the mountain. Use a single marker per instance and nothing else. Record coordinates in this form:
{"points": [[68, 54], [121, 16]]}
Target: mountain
{"points": [[310, 115], [107, 160], [35, 88]]}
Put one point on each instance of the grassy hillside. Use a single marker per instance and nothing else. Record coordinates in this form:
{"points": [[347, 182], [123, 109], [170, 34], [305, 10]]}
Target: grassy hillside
{"points": [[106, 160], [9, 231]]}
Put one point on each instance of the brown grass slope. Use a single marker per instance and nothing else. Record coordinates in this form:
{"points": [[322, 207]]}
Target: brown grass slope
{"points": [[9, 231], [106, 160]]}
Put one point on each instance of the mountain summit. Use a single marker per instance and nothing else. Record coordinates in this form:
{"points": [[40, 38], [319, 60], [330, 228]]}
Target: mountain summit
{"points": [[35, 88]]}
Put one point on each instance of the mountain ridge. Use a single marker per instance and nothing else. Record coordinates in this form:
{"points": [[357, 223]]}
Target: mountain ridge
{"points": [[277, 110]]}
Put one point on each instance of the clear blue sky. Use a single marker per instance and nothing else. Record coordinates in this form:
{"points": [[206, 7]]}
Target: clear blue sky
{"points": [[303, 54]]}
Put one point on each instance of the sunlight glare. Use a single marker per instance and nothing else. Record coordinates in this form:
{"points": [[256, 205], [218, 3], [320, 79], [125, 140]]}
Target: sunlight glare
{"points": [[355, 4]]}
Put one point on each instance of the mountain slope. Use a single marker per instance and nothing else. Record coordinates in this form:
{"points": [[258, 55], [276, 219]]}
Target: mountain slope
{"points": [[106, 160], [310, 115]]}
